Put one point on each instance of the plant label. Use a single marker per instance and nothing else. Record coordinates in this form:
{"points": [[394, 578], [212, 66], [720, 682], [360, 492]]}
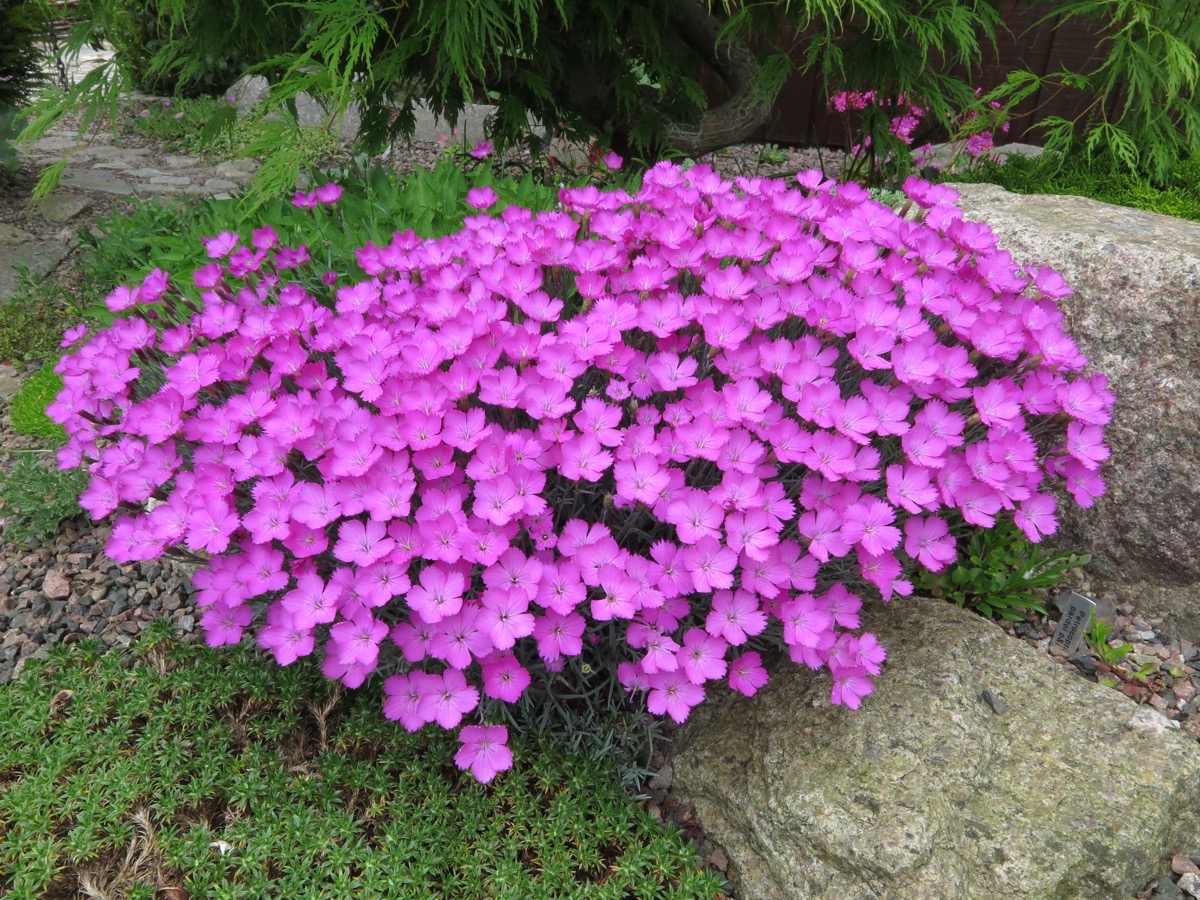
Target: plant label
{"points": [[1077, 612]]}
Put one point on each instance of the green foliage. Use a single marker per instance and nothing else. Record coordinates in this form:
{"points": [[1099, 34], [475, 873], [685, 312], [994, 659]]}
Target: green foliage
{"points": [[23, 24], [11, 123], [1097, 637], [375, 203], [28, 409], [224, 777], [189, 47], [1150, 75], [1001, 573], [1099, 178], [209, 127], [32, 322], [36, 497]]}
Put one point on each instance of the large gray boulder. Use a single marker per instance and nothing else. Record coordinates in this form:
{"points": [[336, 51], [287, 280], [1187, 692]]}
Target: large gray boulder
{"points": [[1136, 314], [1045, 786]]}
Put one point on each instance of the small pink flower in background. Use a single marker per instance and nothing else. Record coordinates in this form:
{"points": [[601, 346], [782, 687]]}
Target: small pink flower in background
{"points": [[482, 150], [328, 193], [481, 197], [612, 161], [220, 246], [72, 335]]}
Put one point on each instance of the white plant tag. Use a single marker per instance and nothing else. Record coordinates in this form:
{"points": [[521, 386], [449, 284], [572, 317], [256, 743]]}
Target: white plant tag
{"points": [[1077, 613]]}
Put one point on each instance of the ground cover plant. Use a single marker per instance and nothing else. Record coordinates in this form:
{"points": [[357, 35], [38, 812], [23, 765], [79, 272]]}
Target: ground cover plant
{"points": [[1100, 179], [651, 434], [173, 766]]}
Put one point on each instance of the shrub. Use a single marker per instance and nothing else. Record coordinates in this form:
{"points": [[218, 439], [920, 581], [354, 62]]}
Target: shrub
{"points": [[681, 426]]}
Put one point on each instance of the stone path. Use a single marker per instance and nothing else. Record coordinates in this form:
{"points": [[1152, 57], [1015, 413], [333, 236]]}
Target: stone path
{"points": [[100, 168]]}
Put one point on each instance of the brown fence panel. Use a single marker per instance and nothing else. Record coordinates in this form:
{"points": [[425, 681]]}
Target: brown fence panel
{"points": [[799, 116]]}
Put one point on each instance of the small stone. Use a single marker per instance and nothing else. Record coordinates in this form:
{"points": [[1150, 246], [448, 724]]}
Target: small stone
{"points": [[10, 235], [99, 593], [237, 169], [171, 180], [220, 185], [98, 182], [56, 585], [172, 602], [718, 859], [1185, 691], [661, 779], [59, 207], [1148, 722], [1190, 884], [1182, 865], [187, 624]]}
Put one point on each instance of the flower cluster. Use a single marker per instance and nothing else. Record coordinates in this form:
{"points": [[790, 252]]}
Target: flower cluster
{"points": [[977, 140], [703, 416]]}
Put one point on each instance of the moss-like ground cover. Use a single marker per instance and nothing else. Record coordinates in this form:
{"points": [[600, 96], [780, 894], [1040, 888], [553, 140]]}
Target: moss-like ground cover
{"points": [[175, 766]]}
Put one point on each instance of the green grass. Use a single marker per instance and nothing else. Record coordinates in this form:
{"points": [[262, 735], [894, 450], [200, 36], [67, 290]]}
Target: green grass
{"points": [[230, 777], [1100, 180]]}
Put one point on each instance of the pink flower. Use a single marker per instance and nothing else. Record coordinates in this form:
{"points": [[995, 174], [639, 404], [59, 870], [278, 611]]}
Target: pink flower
{"points": [[559, 635], [404, 698], [850, 686], [746, 674], [805, 622], [504, 678], [221, 245], [438, 595], [481, 197], [673, 694], [484, 751], [702, 656], [927, 539], [1036, 517], [735, 616], [362, 543], [224, 624], [328, 193], [447, 697], [482, 150], [358, 640], [868, 523]]}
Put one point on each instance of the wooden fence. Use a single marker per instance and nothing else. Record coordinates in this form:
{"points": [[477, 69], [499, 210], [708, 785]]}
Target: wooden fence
{"points": [[800, 117]]}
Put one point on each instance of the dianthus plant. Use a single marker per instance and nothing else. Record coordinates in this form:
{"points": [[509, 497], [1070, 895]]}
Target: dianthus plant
{"points": [[705, 418]]}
